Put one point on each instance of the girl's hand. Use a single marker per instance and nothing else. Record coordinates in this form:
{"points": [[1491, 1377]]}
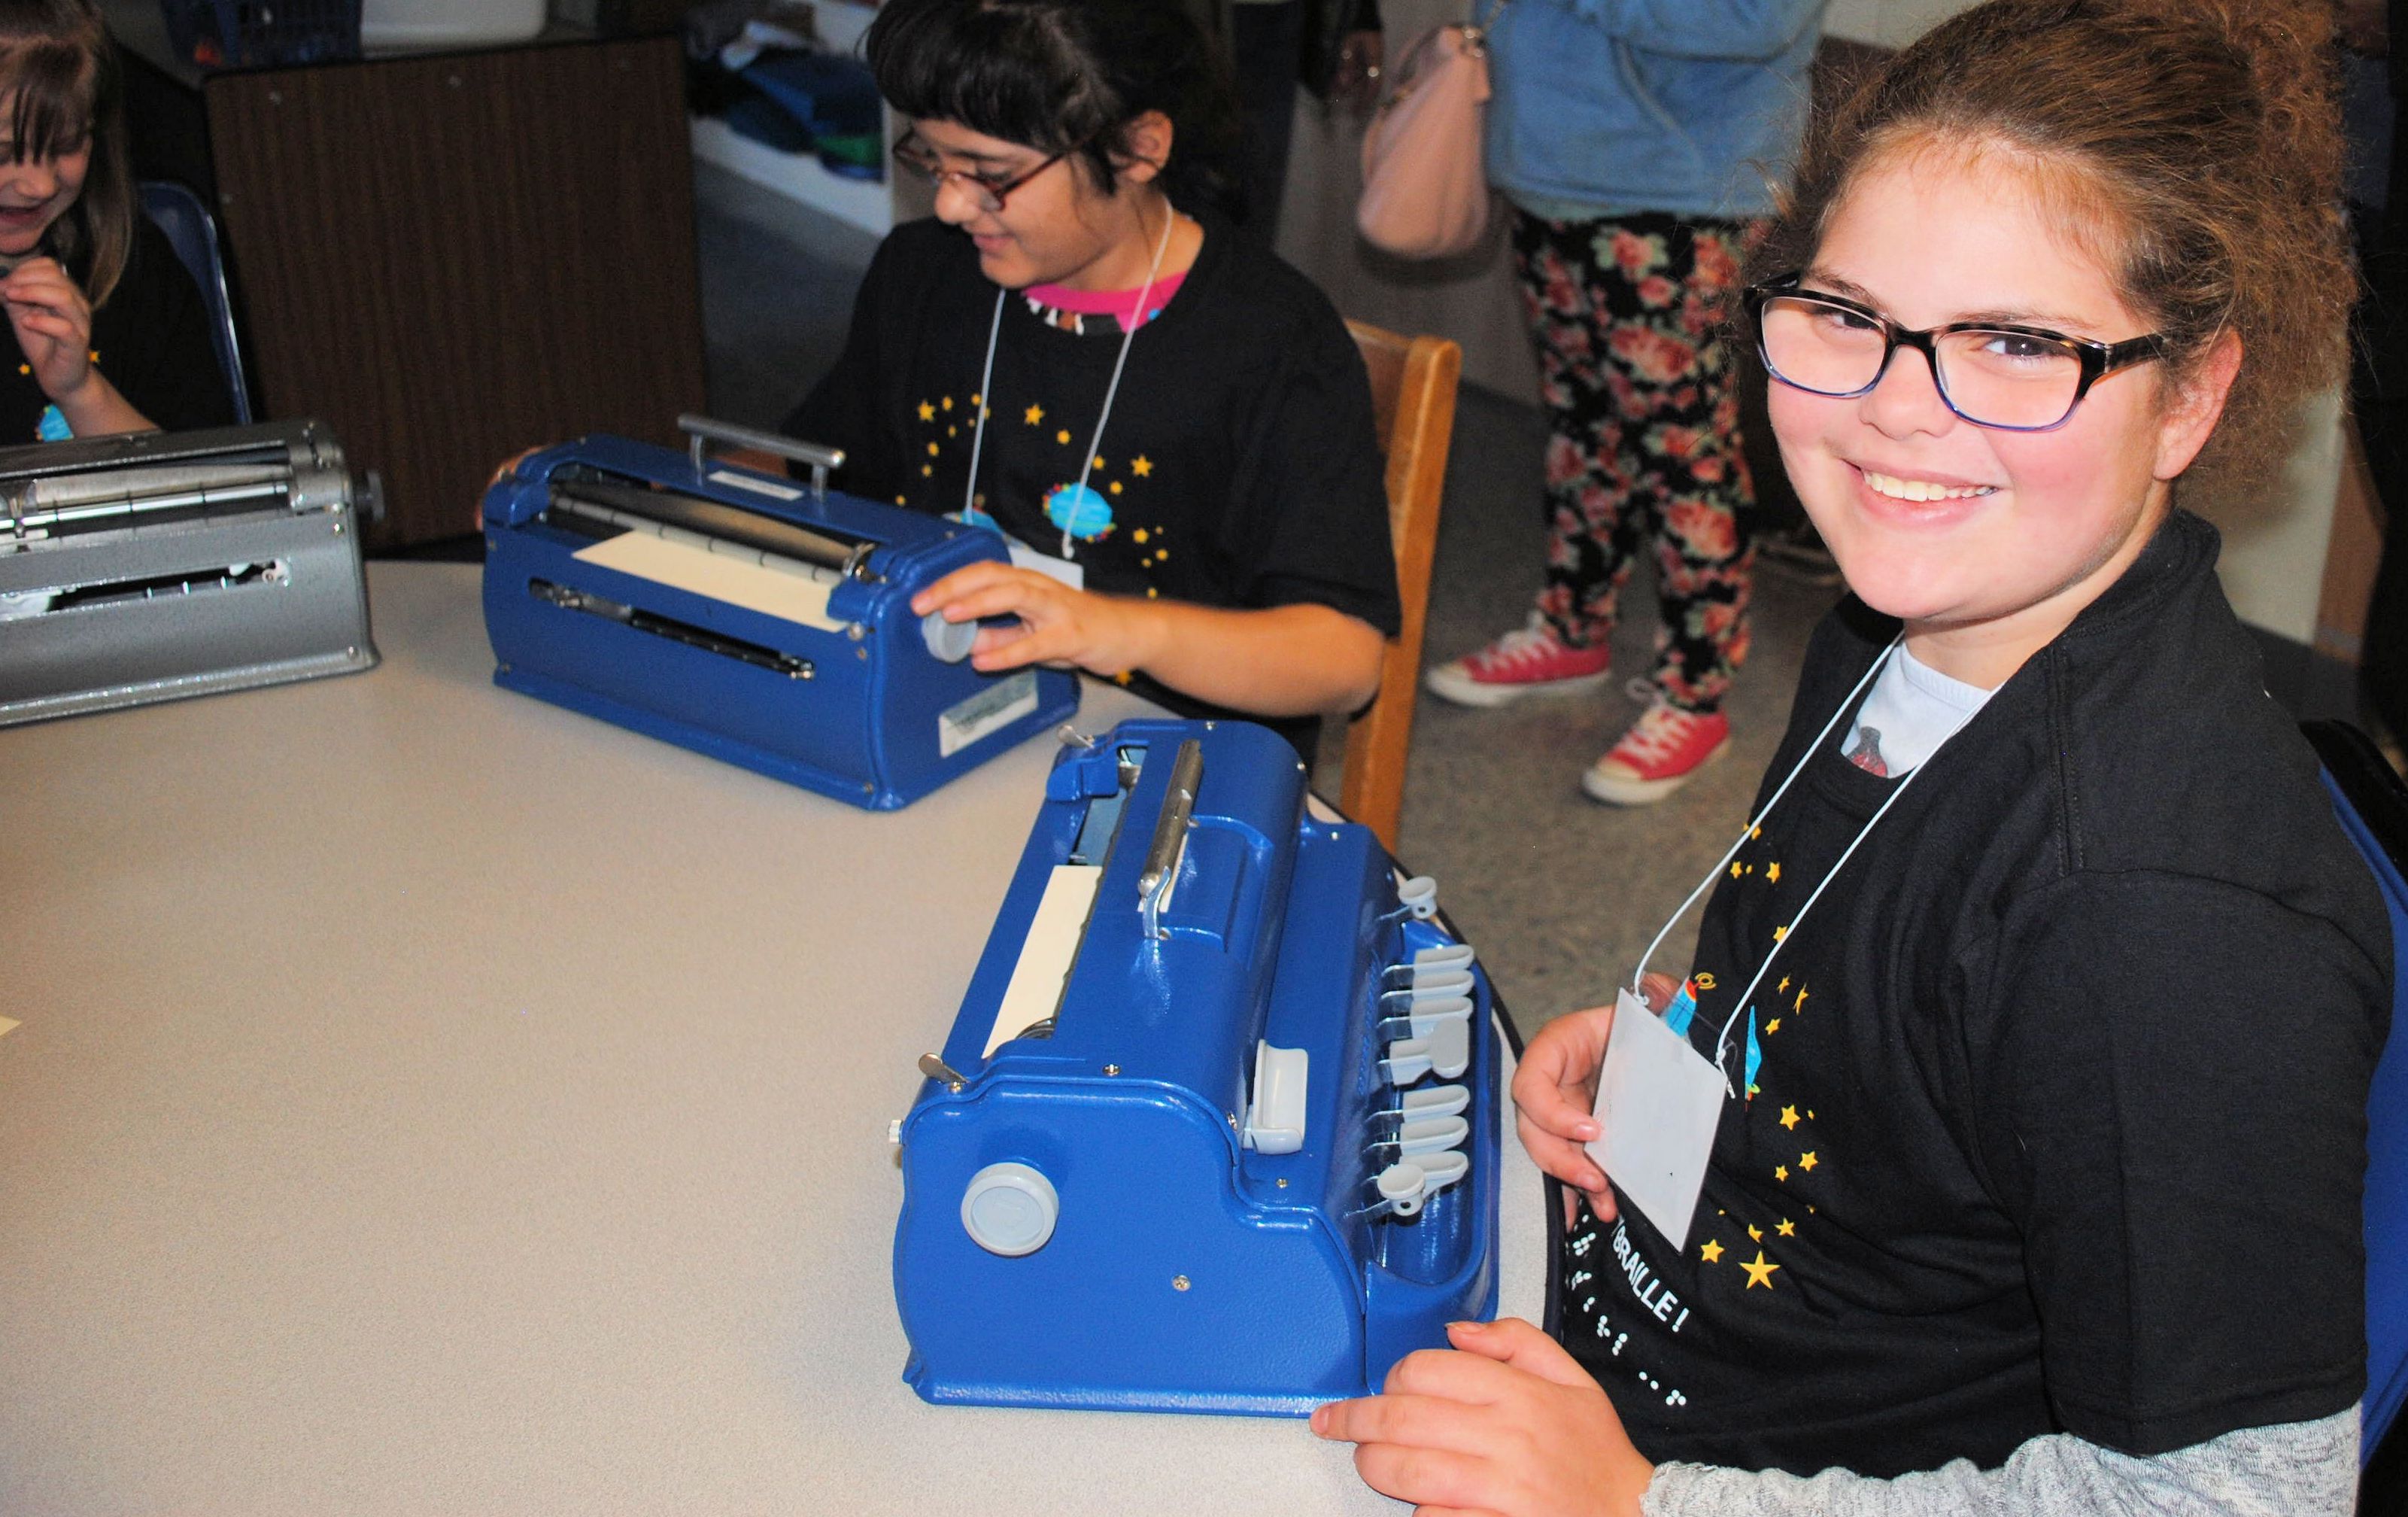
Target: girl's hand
{"points": [[1555, 1095], [1509, 1424], [54, 325], [1101, 634]]}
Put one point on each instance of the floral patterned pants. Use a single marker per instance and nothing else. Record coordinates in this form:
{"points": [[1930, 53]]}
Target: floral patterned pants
{"points": [[1627, 315]]}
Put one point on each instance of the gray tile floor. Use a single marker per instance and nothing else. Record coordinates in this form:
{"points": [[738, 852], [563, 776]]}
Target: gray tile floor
{"points": [[1561, 894]]}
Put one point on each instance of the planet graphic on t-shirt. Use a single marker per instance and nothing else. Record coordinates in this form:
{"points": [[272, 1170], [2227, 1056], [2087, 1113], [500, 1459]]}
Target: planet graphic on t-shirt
{"points": [[1080, 512]]}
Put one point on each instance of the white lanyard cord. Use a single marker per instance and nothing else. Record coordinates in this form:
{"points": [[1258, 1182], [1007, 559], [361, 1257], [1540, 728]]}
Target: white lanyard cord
{"points": [[985, 395], [1722, 1039], [1714, 873], [1112, 391], [1136, 319]]}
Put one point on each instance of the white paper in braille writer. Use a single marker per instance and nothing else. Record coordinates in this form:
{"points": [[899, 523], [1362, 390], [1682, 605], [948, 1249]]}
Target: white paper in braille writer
{"points": [[1658, 1100]]}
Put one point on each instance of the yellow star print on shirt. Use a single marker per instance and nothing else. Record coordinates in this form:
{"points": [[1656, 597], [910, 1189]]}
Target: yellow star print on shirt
{"points": [[1787, 1228], [1711, 1252], [1789, 1116], [1063, 436], [1141, 466], [927, 411], [1807, 1160], [1033, 415], [1760, 1272]]}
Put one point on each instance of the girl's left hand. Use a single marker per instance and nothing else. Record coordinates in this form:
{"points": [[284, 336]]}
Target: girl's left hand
{"points": [[54, 325], [1509, 1424]]}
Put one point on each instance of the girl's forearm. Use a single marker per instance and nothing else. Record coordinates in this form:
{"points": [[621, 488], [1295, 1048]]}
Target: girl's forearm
{"points": [[96, 409], [1292, 660]]}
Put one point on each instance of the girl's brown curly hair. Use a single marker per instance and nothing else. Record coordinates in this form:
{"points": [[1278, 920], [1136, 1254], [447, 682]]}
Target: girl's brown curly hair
{"points": [[2193, 145]]}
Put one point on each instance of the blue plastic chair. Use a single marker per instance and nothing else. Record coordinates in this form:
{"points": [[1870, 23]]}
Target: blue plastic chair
{"points": [[179, 212], [2372, 806]]}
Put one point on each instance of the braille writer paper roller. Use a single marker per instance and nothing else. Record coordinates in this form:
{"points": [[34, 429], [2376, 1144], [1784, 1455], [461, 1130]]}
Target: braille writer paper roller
{"points": [[763, 621], [1216, 1128], [150, 566]]}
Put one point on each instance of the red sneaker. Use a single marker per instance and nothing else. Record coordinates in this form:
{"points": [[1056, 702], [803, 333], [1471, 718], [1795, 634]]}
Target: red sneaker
{"points": [[1656, 757], [1529, 661]]}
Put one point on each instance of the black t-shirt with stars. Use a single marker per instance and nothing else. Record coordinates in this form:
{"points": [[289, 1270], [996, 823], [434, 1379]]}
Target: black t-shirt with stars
{"points": [[152, 338], [1239, 467], [2053, 1115]]}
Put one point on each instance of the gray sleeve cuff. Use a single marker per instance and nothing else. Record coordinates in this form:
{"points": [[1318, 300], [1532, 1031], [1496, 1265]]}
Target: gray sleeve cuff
{"points": [[2294, 1469]]}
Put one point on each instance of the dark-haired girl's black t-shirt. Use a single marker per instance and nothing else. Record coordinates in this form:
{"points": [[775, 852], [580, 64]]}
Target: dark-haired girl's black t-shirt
{"points": [[1239, 467], [153, 342]]}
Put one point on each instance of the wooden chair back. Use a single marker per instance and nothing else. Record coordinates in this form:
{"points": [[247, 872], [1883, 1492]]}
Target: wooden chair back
{"points": [[1413, 393]]}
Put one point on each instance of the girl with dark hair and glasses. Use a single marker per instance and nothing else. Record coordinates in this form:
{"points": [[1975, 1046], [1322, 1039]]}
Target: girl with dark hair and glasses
{"points": [[1173, 427], [2024, 1051]]}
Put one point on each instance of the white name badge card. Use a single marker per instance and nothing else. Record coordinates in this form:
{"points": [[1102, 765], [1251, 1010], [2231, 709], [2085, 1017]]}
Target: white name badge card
{"points": [[1659, 1102], [1068, 571]]}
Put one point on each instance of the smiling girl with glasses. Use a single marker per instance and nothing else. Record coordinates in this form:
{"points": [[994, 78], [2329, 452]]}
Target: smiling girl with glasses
{"points": [[1170, 426], [109, 331], [2036, 1005]]}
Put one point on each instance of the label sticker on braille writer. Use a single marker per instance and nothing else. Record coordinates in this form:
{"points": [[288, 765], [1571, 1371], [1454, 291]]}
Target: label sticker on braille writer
{"points": [[1659, 1101]]}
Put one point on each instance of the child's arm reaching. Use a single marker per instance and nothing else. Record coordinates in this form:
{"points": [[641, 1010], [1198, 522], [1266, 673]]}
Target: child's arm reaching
{"points": [[1288, 660], [54, 325], [1512, 1424]]}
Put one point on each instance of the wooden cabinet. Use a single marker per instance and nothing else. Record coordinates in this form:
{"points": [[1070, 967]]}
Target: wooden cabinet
{"points": [[451, 258]]}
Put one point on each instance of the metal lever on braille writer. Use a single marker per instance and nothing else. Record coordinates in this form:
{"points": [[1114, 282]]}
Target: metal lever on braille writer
{"points": [[1161, 869], [1425, 1016], [1416, 897], [702, 429], [1429, 1101], [1404, 1185], [1426, 1134], [1435, 987], [1447, 1048]]}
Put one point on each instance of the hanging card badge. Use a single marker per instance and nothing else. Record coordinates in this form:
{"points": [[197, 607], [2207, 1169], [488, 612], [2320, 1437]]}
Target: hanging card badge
{"points": [[1659, 1101], [1068, 571]]}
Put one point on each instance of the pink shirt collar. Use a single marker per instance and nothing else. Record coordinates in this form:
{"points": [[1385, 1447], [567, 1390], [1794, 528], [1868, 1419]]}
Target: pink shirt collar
{"points": [[1120, 304]]}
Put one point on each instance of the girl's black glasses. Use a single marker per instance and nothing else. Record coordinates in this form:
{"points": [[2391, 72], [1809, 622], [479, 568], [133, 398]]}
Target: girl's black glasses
{"points": [[2015, 379], [989, 191]]}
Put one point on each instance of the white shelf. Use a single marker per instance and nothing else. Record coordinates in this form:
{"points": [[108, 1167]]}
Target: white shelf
{"points": [[867, 204]]}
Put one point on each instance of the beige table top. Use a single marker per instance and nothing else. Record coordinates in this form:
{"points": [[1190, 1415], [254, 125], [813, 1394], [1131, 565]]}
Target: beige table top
{"points": [[430, 1101]]}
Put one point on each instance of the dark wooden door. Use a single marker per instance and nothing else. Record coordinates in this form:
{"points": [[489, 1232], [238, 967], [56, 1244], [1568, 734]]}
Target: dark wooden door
{"points": [[449, 259]]}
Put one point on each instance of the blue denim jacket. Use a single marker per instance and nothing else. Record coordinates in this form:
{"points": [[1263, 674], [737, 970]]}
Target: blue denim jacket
{"points": [[1607, 107]]}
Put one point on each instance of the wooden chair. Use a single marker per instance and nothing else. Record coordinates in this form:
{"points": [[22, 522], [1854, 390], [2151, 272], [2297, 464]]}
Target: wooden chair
{"points": [[1413, 393]]}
